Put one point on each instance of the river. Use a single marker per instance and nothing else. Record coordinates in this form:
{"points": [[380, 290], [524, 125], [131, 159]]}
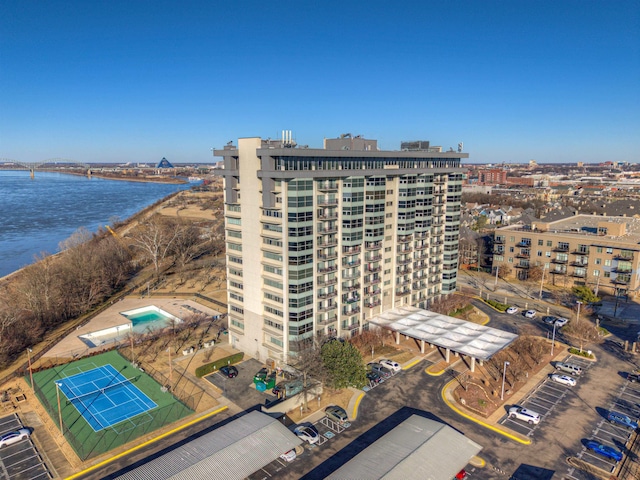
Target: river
{"points": [[37, 214]]}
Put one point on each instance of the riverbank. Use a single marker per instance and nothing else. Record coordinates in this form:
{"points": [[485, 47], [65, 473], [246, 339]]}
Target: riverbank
{"points": [[126, 178]]}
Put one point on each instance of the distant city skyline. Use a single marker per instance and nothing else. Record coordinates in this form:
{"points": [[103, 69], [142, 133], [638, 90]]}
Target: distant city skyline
{"points": [[554, 82]]}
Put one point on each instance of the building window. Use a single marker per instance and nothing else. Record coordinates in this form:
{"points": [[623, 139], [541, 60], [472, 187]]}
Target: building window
{"points": [[549, 243], [607, 263], [607, 274], [598, 261], [596, 273], [540, 242], [539, 253], [599, 249], [547, 254], [609, 250]]}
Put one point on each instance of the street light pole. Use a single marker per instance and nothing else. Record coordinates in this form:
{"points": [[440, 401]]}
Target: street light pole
{"points": [[495, 285], [59, 410], [578, 315], [30, 369], [553, 338], [504, 374]]}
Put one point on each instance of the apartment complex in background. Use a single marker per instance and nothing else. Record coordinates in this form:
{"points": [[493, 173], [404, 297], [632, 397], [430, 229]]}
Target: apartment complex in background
{"points": [[598, 251], [321, 240]]}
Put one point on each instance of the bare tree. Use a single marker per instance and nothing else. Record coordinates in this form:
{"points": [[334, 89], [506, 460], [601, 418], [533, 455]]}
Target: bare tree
{"points": [[155, 238], [504, 271], [305, 357], [582, 330]]}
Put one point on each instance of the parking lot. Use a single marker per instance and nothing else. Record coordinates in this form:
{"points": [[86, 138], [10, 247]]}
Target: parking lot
{"points": [[626, 400], [20, 461], [543, 399]]}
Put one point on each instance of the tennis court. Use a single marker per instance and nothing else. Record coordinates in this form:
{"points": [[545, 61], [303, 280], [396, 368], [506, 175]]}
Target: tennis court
{"points": [[105, 402], [104, 396]]}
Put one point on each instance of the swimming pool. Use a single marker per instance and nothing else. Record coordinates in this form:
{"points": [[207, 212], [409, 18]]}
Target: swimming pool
{"points": [[149, 317]]}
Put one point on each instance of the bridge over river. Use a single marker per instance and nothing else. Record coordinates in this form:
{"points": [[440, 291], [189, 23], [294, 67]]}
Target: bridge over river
{"points": [[52, 163]]}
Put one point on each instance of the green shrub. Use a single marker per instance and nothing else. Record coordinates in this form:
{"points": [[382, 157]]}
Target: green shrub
{"points": [[207, 368], [583, 353], [461, 311], [497, 305], [603, 331]]}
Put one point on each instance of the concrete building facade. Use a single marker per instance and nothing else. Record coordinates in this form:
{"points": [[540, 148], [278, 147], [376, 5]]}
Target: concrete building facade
{"points": [[594, 250], [320, 240]]}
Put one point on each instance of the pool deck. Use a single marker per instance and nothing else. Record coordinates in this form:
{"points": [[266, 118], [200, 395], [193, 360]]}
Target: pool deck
{"points": [[72, 345]]}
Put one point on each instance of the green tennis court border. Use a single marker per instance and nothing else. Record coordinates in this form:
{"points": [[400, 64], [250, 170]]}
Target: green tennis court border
{"points": [[85, 441]]}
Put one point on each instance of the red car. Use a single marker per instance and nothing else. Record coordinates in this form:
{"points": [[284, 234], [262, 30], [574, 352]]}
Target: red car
{"points": [[461, 475]]}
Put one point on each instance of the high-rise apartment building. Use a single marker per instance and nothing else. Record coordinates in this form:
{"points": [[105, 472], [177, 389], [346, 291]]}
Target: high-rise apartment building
{"points": [[321, 240]]}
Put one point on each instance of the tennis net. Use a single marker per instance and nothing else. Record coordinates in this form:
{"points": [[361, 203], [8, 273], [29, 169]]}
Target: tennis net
{"points": [[95, 393]]}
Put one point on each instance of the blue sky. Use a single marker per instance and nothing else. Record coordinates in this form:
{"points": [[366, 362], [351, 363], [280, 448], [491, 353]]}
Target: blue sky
{"points": [[98, 81]]}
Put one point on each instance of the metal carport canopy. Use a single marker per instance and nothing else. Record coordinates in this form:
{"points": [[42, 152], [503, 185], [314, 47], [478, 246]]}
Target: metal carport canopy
{"points": [[467, 338], [233, 451], [416, 448]]}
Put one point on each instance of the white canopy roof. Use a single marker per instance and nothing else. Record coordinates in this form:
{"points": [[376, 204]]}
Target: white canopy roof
{"points": [[464, 337]]}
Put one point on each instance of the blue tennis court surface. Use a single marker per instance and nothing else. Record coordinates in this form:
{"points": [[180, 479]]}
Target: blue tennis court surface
{"points": [[104, 396]]}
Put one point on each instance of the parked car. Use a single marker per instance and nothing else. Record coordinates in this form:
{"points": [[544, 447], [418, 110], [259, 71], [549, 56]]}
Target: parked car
{"points": [[633, 377], [564, 380], [337, 414], [549, 319], [229, 371], [308, 434], [604, 450], [530, 314], [621, 419], [289, 456], [379, 369], [391, 365], [524, 414], [561, 322], [14, 437], [374, 377], [569, 368], [461, 475], [512, 310]]}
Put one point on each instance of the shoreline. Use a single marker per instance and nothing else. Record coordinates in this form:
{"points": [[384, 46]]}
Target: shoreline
{"points": [[163, 180]]}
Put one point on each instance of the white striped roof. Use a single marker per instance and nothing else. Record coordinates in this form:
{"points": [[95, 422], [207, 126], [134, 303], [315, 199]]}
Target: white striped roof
{"points": [[461, 336]]}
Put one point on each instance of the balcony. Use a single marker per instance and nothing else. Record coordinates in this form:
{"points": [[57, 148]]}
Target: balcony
{"points": [[327, 308], [352, 327], [373, 258], [620, 281], [521, 265], [351, 250], [559, 261], [499, 240], [327, 202], [522, 255], [579, 274], [406, 250], [326, 295], [352, 263], [558, 272], [351, 300], [328, 216], [401, 292], [419, 286], [622, 270], [372, 281], [349, 276], [373, 304], [327, 186], [421, 235], [350, 311], [327, 230], [523, 244], [561, 248], [329, 269], [373, 269], [331, 242], [373, 245], [435, 262], [623, 256], [328, 256], [376, 291], [421, 247], [326, 321], [580, 252], [405, 239], [327, 282], [404, 261], [350, 288]]}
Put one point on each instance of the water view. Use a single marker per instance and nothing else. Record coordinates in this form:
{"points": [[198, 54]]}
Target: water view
{"points": [[37, 214]]}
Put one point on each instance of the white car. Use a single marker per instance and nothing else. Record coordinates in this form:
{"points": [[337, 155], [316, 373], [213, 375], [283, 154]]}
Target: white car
{"points": [[530, 314], [512, 310], [561, 322], [564, 380], [391, 365], [524, 414], [289, 456], [14, 437], [308, 434]]}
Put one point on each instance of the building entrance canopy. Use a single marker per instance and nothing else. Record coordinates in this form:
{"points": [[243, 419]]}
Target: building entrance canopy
{"points": [[467, 338]]}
